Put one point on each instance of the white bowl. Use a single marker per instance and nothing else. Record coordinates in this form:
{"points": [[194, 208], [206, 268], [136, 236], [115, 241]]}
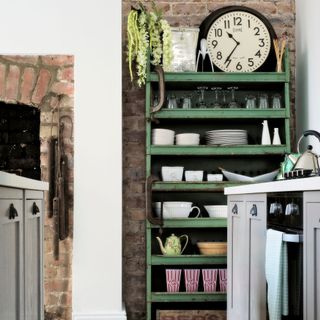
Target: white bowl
{"points": [[196, 175], [215, 177], [172, 173], [217, 211], [187, 139], [178, 209], [162, 137]]}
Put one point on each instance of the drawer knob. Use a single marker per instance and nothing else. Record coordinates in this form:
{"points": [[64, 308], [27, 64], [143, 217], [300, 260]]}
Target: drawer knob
{"points": [[254, 210], [12, 212], [234, 210], [35, 209]]}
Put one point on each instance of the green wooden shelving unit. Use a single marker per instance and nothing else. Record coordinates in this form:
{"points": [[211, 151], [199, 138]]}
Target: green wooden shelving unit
{"points": [[252, 157]]}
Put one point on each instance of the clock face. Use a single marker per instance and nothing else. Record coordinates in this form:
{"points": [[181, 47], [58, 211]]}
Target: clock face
{"points": [[238, 41]]}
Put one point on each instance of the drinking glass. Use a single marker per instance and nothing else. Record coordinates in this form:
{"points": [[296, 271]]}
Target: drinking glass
{"points": [[216, 103], [263, 101], [224, 98], [233, 103], [276, 101], [172, 102], [202, 103], [186, 102], [251, 102]]}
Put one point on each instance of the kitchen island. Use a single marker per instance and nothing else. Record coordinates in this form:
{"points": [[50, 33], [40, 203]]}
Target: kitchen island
{"points": [[21, 247], [250, 213]]}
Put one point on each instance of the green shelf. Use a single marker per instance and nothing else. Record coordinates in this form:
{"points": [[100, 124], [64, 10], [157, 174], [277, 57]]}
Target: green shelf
{"points": [[192, 223], [188, 297], [220, 77], [188, 260], [221, 113], [206, 150], [194, 186]]}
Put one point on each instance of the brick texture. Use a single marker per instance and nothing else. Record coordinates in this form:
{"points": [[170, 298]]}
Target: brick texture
{"points": [[46, 82], [178, 13]]}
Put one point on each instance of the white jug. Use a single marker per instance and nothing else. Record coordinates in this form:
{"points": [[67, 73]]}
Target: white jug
{"points": [[276, 138], [265, 140]]}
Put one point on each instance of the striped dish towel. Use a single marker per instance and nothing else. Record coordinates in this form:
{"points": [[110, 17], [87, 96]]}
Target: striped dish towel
{"points": [[277, 274]]}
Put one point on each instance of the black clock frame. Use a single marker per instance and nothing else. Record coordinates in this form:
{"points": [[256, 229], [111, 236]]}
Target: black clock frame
{"points": [[268, 65]]}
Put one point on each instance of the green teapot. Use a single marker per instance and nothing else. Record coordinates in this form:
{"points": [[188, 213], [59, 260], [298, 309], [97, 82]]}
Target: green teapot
{"points": [[172, 245]]}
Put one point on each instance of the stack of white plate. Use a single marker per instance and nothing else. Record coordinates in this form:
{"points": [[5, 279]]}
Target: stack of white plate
{"points": [[227, 137]]}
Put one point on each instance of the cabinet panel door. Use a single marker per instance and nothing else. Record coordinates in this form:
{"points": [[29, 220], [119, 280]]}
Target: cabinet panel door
{"points": [[237, 260], [11, 261], [257, 219], [33, 260], [311, 274]]}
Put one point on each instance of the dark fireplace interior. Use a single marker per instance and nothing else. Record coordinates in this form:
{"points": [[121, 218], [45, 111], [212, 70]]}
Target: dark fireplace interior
{"points": [[19, 140]]}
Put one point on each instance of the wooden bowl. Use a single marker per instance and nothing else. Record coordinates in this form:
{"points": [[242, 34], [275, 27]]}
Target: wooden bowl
{"points": [[212, 248]]}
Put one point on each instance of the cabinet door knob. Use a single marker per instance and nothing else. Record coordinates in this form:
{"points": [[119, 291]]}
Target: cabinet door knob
{"points": [[234, 210], [35, 209], [12, 212], [254, 210]]}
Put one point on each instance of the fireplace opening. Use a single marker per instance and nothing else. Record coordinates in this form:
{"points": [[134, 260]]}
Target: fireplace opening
{"points": [[20, 140]]}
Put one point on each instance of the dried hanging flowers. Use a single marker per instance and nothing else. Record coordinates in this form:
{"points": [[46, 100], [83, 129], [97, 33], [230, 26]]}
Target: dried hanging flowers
{"points": [[147, 33]]}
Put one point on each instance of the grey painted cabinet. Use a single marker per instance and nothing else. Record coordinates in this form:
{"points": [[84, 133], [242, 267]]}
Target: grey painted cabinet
{"points": [[21, 241], [311, 265], [246, 256]]}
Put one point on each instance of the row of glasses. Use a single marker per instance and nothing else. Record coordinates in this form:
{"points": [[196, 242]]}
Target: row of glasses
{"points": [[220, 100]]}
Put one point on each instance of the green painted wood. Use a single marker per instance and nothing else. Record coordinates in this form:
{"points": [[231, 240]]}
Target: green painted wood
{"points": [[219, 77], [188, 297], [220, 113], [219, 150], [287, 132], [148, 272], [194, 186], [192, 223], [188, 260], [148, 123]]}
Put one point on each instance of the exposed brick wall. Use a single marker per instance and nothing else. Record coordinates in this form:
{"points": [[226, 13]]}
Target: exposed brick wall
{"points": [[178, 13], [38, 81]]}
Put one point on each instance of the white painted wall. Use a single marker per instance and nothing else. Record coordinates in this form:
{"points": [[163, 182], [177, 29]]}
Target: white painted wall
{"points": [[308, 67], [91, 30]]}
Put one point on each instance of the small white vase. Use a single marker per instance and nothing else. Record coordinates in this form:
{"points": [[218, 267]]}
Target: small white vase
{"points": [[276, 138], [265, 140]]}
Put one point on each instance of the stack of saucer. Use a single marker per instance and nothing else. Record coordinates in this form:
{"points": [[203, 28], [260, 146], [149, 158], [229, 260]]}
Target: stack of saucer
{"points": [[227, 137]]}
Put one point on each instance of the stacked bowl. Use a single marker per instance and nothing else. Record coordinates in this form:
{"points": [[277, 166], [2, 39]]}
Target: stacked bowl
{"points": [[162, 137], [187, 139]]}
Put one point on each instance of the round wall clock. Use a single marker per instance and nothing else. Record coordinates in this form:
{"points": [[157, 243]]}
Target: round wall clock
{"points": [[239, 39]]}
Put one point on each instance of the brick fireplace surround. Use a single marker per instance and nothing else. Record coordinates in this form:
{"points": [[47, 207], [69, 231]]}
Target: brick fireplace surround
{"points": [[40, 81]]}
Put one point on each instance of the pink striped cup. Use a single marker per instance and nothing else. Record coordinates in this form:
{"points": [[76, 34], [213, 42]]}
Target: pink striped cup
{"points": [[209, 277], [173, 277], [191, 277], [223, 280]]}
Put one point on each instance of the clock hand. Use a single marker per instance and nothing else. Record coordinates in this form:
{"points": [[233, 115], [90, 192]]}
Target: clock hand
{"points": [[229, 56], [231, 36]]}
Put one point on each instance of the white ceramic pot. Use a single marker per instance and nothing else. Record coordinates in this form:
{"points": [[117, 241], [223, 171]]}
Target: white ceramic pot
{"points": [[172, 173], [194, 175], [157, 208], [187, 139], [178, 209]]}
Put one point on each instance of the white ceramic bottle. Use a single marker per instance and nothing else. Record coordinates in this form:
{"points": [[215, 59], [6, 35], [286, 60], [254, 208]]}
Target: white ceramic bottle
{"points": [[265, 140], [276, 138]]}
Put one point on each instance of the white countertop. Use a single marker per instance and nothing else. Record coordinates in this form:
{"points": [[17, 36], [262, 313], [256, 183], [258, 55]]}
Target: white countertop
{"points": [[14, 181], [303, 184]]}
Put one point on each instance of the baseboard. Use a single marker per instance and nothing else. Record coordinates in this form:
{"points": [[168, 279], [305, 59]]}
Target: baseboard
{"points": [[100, 316]]}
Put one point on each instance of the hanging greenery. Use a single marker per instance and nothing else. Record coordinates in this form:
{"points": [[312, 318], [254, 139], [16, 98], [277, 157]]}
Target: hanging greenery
{"points": [[147, 33]]}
